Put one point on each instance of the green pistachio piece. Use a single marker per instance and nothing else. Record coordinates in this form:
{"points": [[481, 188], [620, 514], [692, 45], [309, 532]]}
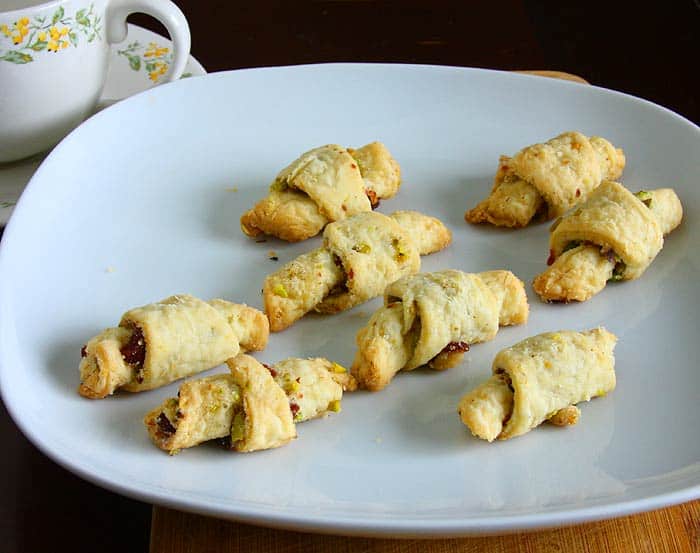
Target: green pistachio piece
{"points": [[238, 427], [645, 197]]}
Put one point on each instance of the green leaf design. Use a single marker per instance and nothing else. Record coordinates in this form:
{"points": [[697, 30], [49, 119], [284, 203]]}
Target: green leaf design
{"points": [[134, 62], [60, 12], [81, 18], [39, 45], [13, 56], [150, 66], [73, 38]]}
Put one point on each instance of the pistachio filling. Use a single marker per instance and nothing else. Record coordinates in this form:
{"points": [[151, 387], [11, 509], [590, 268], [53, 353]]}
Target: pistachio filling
{"points": [[362, 248], [620, 267], [618, 272], [400, 253], [280, 290], [238, 427], [339, 369], [334, 406], [645, 197]]}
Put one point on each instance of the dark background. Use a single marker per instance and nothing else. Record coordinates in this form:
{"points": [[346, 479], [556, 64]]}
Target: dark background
{"points": [[649, 52]]}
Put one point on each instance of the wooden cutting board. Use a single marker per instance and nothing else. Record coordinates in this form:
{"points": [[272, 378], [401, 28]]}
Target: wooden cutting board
{"points": [[672, 530], [676, 529]]}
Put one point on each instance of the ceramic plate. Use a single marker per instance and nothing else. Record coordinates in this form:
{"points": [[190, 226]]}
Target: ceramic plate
{"points": [[143, 201], [134, 66]]}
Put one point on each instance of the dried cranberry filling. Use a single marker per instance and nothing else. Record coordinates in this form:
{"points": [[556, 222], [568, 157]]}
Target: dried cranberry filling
{"points": [[372, 197], [273, 372], [455, 346], [134, 351], [164, 425]]}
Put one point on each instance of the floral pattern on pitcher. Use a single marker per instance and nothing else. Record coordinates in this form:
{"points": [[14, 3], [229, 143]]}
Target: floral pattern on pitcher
{"points": [[23, 39], [153, 59]]}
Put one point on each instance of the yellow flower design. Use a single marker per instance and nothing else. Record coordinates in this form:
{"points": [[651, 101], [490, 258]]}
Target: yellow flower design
{"points": [[19, 30], [155, 51], [153, 58], [159, 70], [51, 31], [57, 41]]}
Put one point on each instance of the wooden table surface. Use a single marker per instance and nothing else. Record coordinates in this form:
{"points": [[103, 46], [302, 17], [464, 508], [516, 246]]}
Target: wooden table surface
{"points": [[651, 53]]}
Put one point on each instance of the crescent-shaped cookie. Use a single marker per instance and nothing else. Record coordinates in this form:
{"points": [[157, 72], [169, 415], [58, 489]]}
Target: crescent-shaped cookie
{"points": [[614, 235], [323, 185], [252, 407], [167, 340], [432, 318], [541, 378], [547, 179], [360, 256]]}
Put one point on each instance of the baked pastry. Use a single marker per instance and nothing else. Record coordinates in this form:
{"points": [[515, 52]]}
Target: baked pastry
{"points": [[432, 318], [325, 184], [167, 340], [614, 235], [313, 386], [252, 407], [541, 378], [360, 256], [547, 179]]}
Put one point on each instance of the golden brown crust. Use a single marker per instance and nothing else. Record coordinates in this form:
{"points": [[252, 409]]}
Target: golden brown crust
{"points": [[666, 206], [429, 234], [576, 275], [167, 340], [431, 318], [102, 369], [218, 406], [299, 286], [513, 202], [555, 175], [326, 184], [568, 416], [615, 234], [268, 419], [487, 407], [314, 386], [380, 171], [203, 410], [383, 348], [360, 257], [540, 378], [615, 220], [287, 214], [250, 325], [373, 250], [510, 294]]}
